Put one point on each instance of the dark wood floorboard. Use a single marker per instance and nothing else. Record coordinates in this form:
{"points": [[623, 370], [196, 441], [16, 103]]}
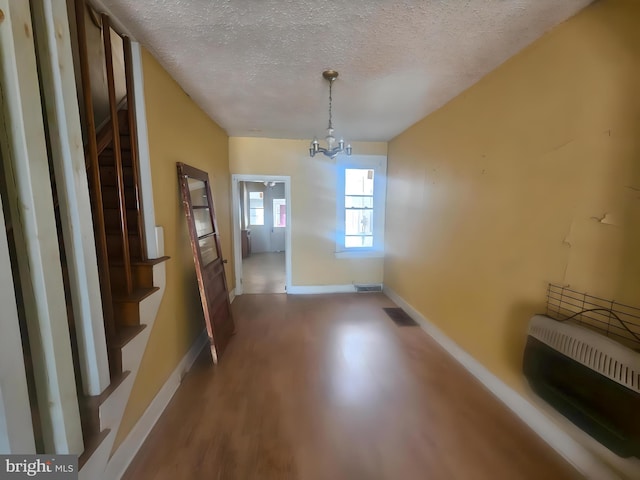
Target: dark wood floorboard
{"points": [[327, 387]]}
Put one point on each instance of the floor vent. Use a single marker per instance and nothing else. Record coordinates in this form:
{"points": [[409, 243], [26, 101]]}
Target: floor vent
{"points": [[400, 317], [368, 288]]}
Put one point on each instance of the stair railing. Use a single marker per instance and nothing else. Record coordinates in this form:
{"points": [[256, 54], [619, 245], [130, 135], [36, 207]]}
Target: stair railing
{"points": [[93, 169], [117, 153]]}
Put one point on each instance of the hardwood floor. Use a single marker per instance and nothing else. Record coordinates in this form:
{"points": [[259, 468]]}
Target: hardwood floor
{"points": [[264, 273], [327, 387]]}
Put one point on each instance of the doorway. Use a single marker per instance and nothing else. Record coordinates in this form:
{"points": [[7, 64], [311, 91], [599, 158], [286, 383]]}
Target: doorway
{"points": [[262, 233]]}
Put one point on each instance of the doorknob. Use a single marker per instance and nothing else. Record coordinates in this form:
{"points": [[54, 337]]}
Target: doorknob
{"points": [[224, 260]]}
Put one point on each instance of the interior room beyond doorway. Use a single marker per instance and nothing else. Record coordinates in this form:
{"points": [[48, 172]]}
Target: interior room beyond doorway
{"points": [[263, 211]]}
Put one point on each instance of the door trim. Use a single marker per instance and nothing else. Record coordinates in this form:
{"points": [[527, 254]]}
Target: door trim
{"points": [[236, 220]]}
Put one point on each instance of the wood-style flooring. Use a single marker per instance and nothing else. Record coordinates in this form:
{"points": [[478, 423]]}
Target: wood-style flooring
{"points": [[264, 273], [327, 387]]}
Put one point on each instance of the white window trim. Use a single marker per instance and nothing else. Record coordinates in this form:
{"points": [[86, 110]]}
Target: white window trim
{"points": [[377, 163], [273, 213]]}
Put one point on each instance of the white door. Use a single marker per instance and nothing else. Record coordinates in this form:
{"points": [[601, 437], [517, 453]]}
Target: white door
{"points": [[278, 205]]}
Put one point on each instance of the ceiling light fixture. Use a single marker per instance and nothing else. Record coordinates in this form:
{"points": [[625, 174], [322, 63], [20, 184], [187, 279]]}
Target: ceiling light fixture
{"points": [[332, 150]]}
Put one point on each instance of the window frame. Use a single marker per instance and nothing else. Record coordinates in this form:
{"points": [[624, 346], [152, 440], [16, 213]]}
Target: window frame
{"points": [[377, 163], [275, 224], [257, 208]]}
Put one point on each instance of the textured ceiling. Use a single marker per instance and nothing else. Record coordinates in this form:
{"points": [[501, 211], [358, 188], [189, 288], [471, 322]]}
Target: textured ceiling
{"points": [[255, 65]]}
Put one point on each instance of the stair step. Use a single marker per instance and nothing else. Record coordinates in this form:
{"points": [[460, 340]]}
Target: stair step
{"points": [[114, 245], [91, 444], [106, 159], [123, 120], [118, 279], [140, 265], [97, 400], [149, 261], [126, 308], [107, 154], [110, 197], [90, 405], [112, 219], [90, 416], [141, 270], [125, 334], [136, 296], [125, 141], [108, 176]]}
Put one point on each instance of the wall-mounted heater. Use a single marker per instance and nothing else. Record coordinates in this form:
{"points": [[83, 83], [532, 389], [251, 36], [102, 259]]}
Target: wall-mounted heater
{"points": [[583, 357]]}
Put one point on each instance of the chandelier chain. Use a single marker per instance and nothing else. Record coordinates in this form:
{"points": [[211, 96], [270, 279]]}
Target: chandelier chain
{"points": [[330, 102]]}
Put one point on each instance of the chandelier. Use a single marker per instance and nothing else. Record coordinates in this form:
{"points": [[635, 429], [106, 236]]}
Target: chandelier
{"points": [[332, 150]]}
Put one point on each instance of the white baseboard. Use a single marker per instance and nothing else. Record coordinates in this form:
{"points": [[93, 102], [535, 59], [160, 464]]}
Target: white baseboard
{"points": [[232, 295], [128, 449], [574, 452], [315, 289]]}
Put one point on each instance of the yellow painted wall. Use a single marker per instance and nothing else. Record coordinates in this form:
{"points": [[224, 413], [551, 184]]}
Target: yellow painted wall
{"points": [[313, 206], [178, 131], [530, 176]]}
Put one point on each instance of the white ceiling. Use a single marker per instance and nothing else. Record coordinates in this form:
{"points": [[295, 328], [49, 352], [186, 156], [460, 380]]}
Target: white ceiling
{"points": [[255, 65]]}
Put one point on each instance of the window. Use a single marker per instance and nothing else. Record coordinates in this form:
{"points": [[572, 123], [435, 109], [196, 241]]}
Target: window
{"points": [[256, 208], [279, 213], [360, 204]]}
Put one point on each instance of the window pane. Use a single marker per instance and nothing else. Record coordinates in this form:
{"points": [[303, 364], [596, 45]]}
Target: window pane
{"points": [[202, 218], [256, 200], [279, 213], [256, 216], [358, 181], [360, 205], [256, 208], [208, 249], [359, 222], [198, 192], [358, 241], [358, 202]]}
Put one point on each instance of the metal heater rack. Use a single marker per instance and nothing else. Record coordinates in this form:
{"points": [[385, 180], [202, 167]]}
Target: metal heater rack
{"points": [[618, 321]]}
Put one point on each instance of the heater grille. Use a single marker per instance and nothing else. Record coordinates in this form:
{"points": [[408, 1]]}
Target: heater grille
{"points": [[607, 317], [368, 288], [601, 354]]}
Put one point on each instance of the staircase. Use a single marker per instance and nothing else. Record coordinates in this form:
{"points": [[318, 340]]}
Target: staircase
{"points": [[130, 273], [102, 414], [132, 278]]}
